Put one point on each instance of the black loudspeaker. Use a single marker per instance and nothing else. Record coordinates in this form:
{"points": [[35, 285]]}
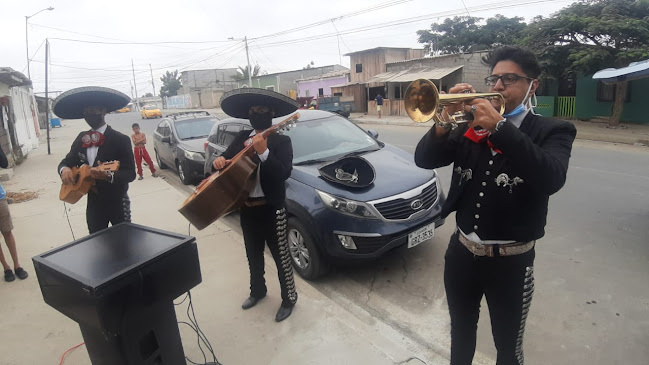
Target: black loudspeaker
{"points": [[119, 285]]}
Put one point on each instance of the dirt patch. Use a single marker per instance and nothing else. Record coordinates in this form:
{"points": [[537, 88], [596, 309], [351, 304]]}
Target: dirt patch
{"points": [[23, 196]]}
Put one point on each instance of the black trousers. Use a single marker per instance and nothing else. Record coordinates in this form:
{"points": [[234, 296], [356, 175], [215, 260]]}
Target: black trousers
{"points": [[266, 225], [102, 210], [508, 284]]}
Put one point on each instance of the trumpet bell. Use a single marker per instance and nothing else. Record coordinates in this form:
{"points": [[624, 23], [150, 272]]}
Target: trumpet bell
{"points": [[422, 99], [423, 102]]}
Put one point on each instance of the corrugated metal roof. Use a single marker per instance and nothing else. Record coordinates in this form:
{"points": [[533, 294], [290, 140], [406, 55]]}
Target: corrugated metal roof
{"points": [[326, 75], [11, 77], [412, 74]]}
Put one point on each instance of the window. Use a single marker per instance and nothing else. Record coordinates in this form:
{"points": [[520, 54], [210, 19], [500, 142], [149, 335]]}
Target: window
{"points": [[338, 94], [606, 92], [307, 93], [163, 129], [160, 129], [320, 91], [397, 92], [227, 133], [359, 68]]}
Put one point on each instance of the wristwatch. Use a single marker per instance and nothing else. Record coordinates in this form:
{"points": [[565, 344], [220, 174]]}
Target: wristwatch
{"points": [[111, 176], [500, 124]]}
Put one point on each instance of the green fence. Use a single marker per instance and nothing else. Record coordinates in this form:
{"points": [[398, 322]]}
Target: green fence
{"points": [[545, 106], [566, 106]]}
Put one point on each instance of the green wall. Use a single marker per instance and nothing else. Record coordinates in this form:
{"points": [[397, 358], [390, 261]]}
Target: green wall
{"points": [[588, 107]]}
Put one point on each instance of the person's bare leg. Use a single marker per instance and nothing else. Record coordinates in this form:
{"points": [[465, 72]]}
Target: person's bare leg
{"points": [[5, 265], [11, 244]]}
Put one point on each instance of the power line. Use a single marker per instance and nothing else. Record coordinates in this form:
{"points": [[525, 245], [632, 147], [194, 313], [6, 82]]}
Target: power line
{"points": [[321, 22], [487, 7]]}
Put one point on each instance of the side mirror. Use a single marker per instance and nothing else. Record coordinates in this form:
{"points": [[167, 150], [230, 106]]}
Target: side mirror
{"points": [[166, 139], [374, 134]]}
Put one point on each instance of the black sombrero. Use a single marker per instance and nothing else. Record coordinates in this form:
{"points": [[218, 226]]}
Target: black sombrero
{"points": [[71, 103], [353, 171], [236, 103]]}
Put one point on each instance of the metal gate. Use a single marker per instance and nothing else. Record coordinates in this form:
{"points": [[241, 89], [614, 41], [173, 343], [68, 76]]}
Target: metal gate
{"points": [[566, 106]]}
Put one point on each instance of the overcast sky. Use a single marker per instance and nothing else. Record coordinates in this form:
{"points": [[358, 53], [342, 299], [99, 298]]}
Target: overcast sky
{"points": [[364, 24]]}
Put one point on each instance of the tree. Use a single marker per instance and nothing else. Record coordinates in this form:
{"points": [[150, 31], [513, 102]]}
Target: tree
{"points": [[591, 35], [170, 84], [242, 72], [148, 95], [308, 66], [465, 34]]}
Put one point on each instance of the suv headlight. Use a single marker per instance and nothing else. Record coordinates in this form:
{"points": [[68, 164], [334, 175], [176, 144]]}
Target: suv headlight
{"points": [[347, 206], [196, 156]]}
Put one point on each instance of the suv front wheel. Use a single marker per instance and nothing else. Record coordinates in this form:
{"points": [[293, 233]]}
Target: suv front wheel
{"points": [[306, 258]]}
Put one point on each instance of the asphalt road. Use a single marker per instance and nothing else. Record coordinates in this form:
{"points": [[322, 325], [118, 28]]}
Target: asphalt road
{"points": [[591, 303]]}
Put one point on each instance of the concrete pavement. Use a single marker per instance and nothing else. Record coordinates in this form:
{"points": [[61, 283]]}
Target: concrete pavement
{"points": [[320, 331]]}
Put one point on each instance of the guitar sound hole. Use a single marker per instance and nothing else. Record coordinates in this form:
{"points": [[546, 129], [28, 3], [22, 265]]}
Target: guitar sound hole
{"points": [[76, 178]]}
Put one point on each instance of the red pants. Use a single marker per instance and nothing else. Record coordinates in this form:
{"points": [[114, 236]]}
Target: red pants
{"points": [[140, 152]]}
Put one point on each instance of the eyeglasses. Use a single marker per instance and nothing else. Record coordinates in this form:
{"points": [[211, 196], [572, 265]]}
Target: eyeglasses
{"points": [[507, 79]]}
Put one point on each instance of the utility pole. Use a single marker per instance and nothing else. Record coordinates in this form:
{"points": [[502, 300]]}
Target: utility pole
{"points": [[137, 107], [47, 99], [29, 75], [131, 90], [152, 84], [248, 57]]}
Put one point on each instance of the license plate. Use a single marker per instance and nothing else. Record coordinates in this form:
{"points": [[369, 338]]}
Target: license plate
{"points": [[421, 235]]}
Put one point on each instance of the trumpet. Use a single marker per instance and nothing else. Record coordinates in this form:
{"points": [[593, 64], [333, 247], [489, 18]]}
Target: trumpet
{"points": [[423, 102]]}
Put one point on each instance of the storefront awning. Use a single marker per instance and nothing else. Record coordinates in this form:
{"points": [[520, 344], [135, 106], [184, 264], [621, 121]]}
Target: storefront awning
{"points": [[636, 70], [412, 74]]}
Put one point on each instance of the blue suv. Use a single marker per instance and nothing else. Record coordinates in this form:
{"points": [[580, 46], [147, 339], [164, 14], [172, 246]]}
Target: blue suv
{"points": [[330, 223]]}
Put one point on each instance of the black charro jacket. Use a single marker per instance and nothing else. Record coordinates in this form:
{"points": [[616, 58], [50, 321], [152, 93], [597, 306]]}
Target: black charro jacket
{"points": [[275, 170], [503, 196], [116, 147]]}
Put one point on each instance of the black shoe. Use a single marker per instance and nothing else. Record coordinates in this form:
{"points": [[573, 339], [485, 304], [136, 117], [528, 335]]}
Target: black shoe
{"points": [[9, 275], [283, 313], [250, 302], [21, 273]]}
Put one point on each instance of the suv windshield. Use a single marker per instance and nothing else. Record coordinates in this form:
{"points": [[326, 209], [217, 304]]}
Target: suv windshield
{"points": [[194, 128], [328, 138]]}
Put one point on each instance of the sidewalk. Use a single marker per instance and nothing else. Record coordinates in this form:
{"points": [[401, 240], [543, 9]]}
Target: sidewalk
{"points": [[595, 130], [319, 331]]}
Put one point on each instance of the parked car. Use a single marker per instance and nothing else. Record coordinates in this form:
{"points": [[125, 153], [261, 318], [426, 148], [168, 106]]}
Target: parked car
{"points": [[330, 223], [150, 111], [178, 142], [125, 109]]}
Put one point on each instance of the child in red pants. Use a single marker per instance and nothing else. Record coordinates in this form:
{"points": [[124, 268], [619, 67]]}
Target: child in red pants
{"points": [[139, 150]]}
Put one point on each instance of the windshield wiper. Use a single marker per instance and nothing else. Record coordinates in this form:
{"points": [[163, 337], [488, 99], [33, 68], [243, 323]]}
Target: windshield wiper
{"points": [[360, 152], [194, 137], [310, 162]]}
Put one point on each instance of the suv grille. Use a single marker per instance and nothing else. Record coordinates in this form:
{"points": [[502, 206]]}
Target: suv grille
{"points": [[402, 208]]}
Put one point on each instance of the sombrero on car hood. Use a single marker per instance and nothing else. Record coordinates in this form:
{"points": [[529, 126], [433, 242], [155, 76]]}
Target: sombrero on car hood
{"points": [[351, 171], [236, 103], [71, 103]]}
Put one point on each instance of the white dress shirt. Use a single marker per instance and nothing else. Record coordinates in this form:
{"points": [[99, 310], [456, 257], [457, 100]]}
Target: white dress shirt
{"points": [[257, 192], [91, 152]]}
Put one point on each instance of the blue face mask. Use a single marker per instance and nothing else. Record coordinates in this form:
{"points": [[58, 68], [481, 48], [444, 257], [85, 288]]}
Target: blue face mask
{"points": [[521, 108]]}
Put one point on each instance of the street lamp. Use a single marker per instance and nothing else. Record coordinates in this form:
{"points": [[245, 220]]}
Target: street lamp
{"points": [[29, 76]]}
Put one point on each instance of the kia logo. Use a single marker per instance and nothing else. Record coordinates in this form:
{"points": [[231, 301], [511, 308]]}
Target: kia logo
{"points": [[416, 204]]}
